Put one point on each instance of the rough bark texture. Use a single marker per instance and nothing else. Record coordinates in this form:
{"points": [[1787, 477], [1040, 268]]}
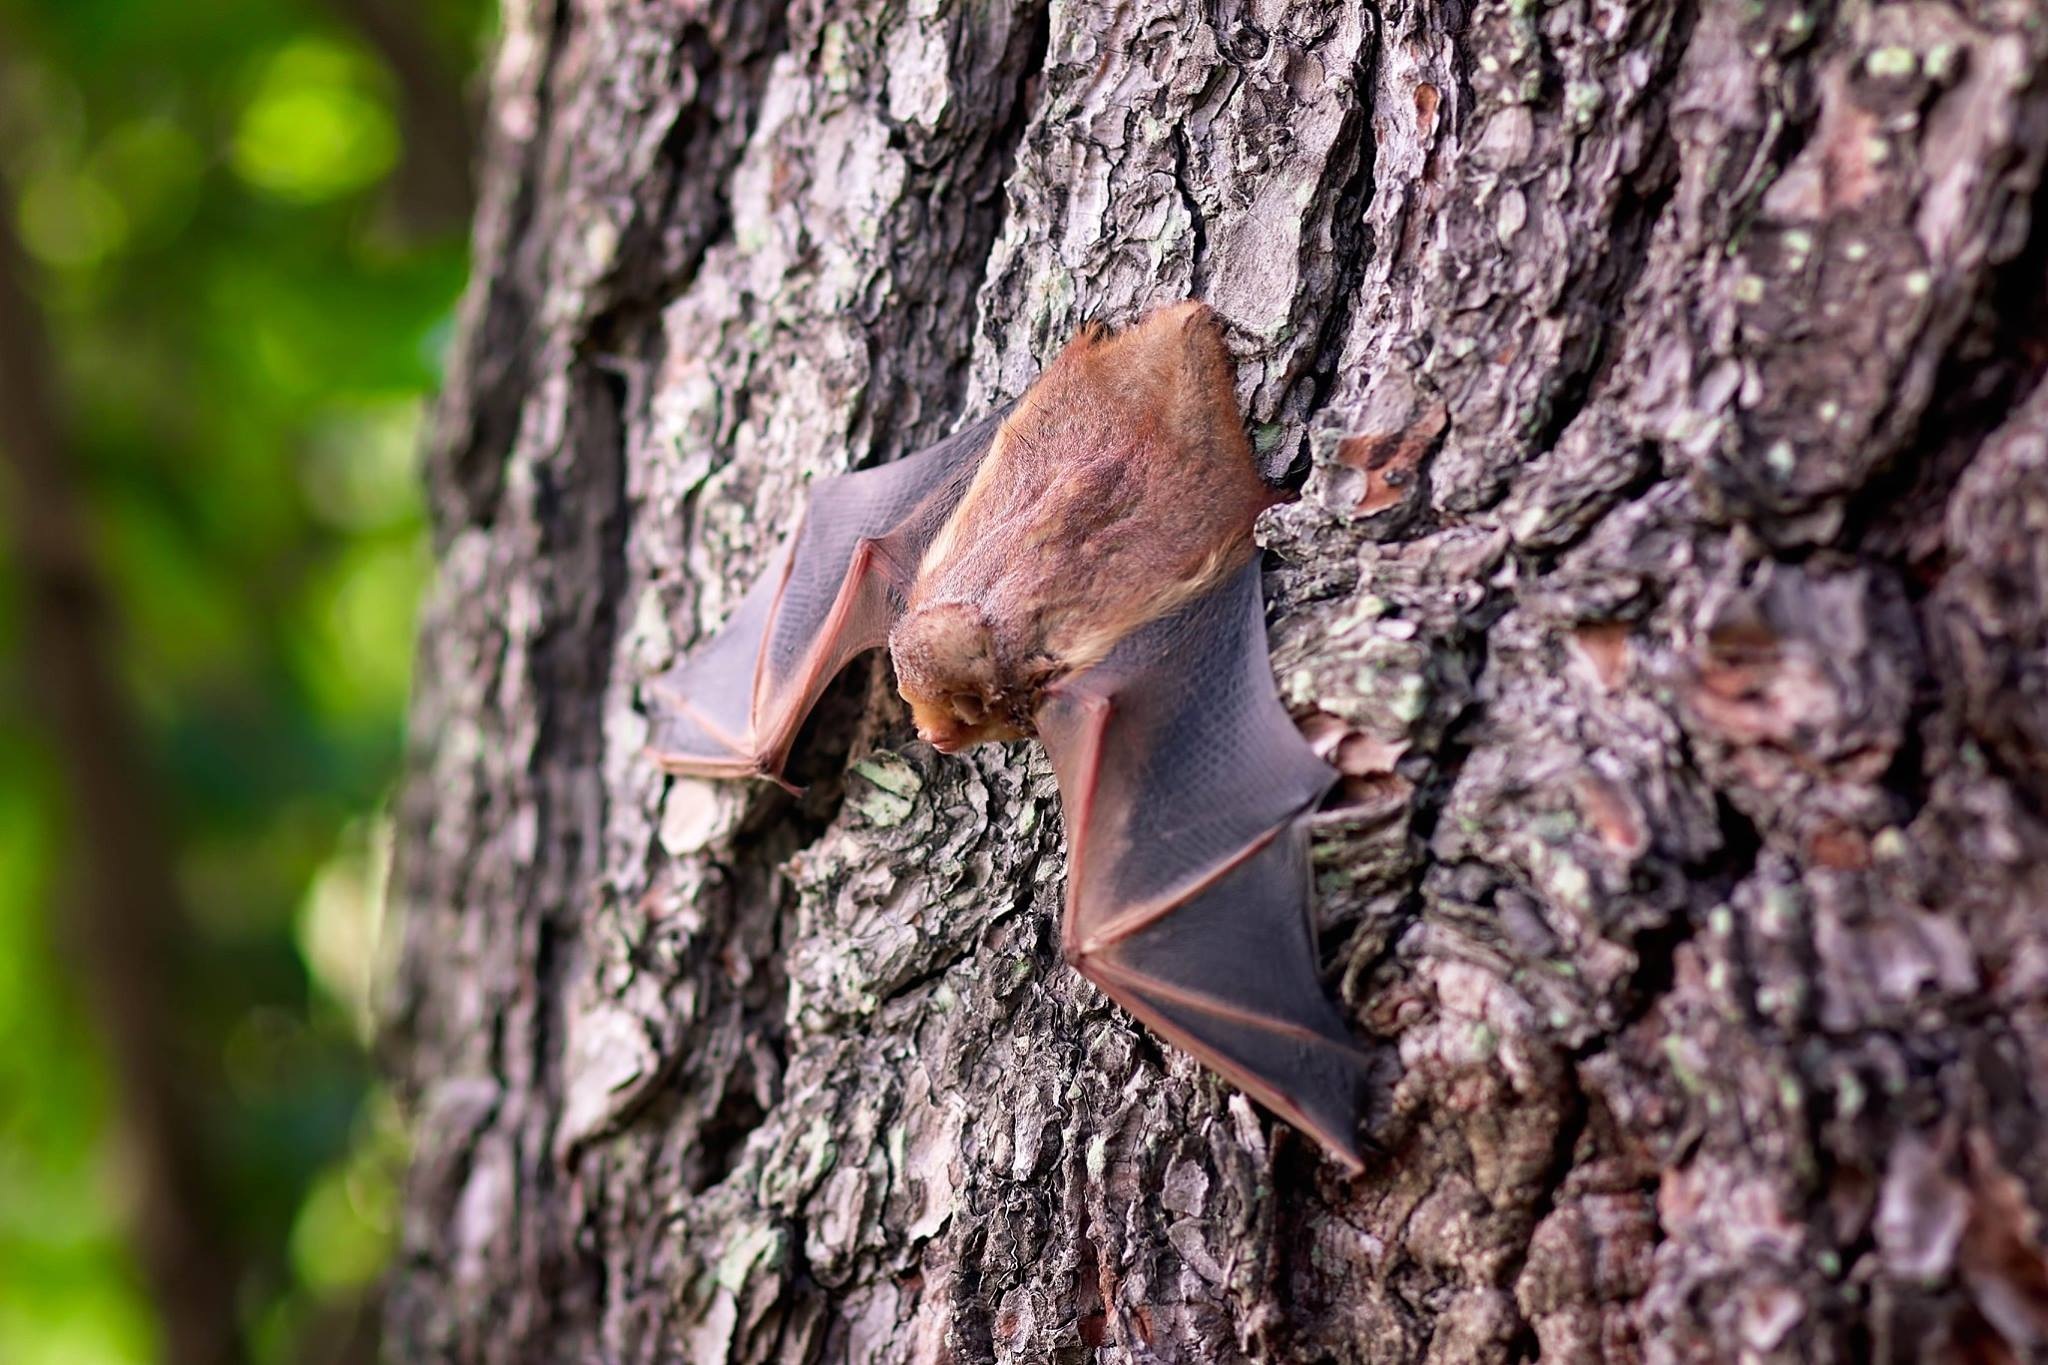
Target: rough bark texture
{"points": [[1670, 580]]}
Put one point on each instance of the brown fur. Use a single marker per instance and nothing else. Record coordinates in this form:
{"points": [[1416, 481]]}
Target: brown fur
{"points": [[1121, 487]]}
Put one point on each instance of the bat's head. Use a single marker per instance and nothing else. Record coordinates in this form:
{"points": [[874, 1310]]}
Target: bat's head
{"points": [[946, 668]]}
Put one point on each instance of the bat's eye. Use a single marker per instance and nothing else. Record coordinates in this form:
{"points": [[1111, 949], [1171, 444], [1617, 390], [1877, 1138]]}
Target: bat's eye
{"points": [[971, 709]]}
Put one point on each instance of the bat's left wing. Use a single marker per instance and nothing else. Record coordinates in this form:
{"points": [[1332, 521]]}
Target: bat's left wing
{"points": [[1185, 786], [734, 706]]}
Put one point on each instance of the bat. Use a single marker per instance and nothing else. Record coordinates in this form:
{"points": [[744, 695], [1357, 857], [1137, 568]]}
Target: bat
{"points": [[1080, 568]]}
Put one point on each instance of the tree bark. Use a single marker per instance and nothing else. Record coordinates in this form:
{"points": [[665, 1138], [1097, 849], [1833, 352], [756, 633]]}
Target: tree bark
{"points": [[1670, 582]]}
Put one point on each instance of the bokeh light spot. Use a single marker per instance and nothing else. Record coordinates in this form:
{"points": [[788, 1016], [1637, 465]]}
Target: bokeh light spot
{"points": [[359, 471], [315, 127], [341, 919], [70, 219], [152, 166]]}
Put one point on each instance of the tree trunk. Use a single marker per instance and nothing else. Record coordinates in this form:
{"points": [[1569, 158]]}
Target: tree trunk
{"points": [[1670, 582]]}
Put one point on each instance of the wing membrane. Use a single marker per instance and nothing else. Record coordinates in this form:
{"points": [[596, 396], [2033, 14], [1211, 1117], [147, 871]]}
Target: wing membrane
{"points": [[1185, 787], [734, 705]]}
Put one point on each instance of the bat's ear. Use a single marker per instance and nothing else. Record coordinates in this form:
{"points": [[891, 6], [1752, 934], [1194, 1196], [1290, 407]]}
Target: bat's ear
{"points": [[1187, 315]]}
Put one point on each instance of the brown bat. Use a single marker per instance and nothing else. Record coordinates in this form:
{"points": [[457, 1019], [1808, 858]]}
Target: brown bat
{"points": [[1081, 570]]}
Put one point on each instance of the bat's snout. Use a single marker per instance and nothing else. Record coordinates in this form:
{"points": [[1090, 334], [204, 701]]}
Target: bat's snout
{"points": [[953, 736], [944, 743], [951, 722]]}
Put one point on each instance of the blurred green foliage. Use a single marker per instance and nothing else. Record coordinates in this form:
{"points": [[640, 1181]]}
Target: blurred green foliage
{"points": [[244, 322]]}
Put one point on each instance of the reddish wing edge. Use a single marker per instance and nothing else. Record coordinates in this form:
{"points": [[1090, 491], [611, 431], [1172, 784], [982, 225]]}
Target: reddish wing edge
{"points": [[734, 705], [1186, 790]]}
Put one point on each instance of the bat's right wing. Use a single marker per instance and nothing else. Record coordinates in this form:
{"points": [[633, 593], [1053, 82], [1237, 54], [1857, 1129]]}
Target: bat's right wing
{"points": [[734, 706], [1185, 786]]}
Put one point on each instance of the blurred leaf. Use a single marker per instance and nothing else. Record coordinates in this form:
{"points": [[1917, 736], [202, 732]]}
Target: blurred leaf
{"points": [[359, 645], [359, 471], [341, 921], [314, 128], [153, 167], [346, 1227], [69, 218]]}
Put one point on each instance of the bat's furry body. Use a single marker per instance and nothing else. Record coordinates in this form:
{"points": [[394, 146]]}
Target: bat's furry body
{"points": [[1121, 487], [1082, 571]]}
